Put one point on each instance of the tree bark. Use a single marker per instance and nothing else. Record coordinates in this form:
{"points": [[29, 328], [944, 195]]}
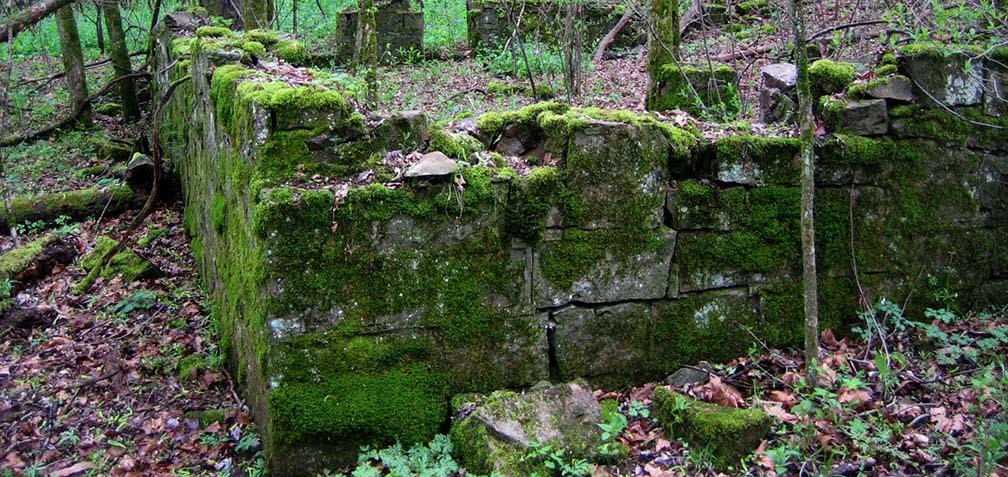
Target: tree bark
{"points": [[24, 19], [610, 37], [366, 48], [258, 13], [663, 38], [121, 59], [807, 162], [574, 50], [73, 61]]}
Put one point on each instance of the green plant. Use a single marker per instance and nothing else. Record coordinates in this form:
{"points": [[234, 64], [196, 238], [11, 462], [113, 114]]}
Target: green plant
{"points": [[138, 300], [422, 460], [639, 410], [555, 461], [248, 441]]}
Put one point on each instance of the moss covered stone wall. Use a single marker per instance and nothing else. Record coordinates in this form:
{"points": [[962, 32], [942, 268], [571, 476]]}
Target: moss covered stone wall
{"points": [[355, 302]]}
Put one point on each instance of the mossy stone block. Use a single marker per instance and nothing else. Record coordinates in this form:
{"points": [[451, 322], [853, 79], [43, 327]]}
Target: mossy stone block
{"points": [[697, 88], [729, 433]]}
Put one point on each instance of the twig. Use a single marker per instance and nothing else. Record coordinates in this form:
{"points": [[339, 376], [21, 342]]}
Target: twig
{"points": [[89, 382], [954, 112], [467, 91], [611, 36], [61, 74]]}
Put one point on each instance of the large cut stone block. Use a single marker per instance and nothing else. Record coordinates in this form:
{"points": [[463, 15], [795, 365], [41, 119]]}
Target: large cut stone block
{"points": [[951, 78], [601, 266], [697, 88], [491, 23], [608, 345]]}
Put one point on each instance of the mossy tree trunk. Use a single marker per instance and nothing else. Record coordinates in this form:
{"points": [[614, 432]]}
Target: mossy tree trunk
{"points": [[663, 37], [258, 13], [73, 60], [806, 157], [120, 58], [366, 48]]}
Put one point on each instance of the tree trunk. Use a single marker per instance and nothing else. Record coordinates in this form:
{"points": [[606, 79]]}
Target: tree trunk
{"points": [[99, 34], [663, 38], [24, 19], [366, 48], [258, 13], [573, 50], [807, 162], [121, 59], [73, 61]]}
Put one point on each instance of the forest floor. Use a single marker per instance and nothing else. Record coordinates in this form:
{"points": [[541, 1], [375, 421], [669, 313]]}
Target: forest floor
{"points": [[129, 380]]}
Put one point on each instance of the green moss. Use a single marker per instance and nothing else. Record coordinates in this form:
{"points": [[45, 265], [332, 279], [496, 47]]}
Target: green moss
{"points": [[925, 49], [695, 193], [566, 260], [492, 124], [15, 260], [730, 434], [127, 264], [254, 48], [412, 408], [208, 416], [213, 32], [182, 47], [886, 70], [696, 88], [291, 51], [75, 204], [772, 157], [531, 198], [218, 213], [265, 37], [828, 76], [459, 146], [153, 235]]}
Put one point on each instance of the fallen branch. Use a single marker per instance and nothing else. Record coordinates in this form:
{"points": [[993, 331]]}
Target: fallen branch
{"points": [[61, 74], [90, 382], [67, 121], [155, 184], [24, 19], [844, 27], [76, 204], [610, 37]]}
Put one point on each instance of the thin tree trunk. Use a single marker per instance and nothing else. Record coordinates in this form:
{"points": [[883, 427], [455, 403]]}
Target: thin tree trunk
{"points": [[99, 34], [24, 19], [294, 5], [574, 50], [73, 61], [121, 59], [258, 13], [366, 48], [807, 161]]}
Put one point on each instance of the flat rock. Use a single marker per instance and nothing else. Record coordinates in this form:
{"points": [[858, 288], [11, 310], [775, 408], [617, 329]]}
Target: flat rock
{"points": [[866, 117], [782, 76], [432, 164], [896, 88], [699, 374], [491, 433]]}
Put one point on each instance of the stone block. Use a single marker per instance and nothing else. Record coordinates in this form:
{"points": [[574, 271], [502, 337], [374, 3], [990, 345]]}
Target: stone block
{"points": [[865, 117], [609, 345], [490, 23], [600, 266], [943, 77], [696, 88]]}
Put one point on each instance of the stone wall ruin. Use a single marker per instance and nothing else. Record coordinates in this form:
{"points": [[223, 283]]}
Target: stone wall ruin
{"points": [[358, 286]]}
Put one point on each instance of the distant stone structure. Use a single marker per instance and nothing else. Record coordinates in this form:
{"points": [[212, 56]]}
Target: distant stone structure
{"points": [[492, 22], [400, 29]]}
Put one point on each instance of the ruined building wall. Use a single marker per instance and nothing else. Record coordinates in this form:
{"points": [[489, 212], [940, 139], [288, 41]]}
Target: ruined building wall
{"points": [[355, 302]]}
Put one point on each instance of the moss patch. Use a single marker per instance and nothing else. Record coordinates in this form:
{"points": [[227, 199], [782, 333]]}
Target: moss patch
{"points": [[730, 434]]}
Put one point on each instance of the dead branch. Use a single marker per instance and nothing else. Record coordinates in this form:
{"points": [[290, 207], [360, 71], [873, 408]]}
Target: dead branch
{"points": [[155, 182], [611, 36], [24, 19]]}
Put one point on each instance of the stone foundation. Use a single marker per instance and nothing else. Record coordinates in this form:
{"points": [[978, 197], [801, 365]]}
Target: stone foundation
{"points": [[491, 23], [354, 301]]}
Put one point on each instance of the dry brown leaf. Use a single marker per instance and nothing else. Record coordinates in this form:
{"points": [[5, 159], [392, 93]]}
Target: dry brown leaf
{"points": [[73, 469]]}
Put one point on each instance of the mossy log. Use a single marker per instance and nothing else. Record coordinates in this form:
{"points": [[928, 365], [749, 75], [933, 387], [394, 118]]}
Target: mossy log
{"points": [[35, 260], [77, 204]]}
